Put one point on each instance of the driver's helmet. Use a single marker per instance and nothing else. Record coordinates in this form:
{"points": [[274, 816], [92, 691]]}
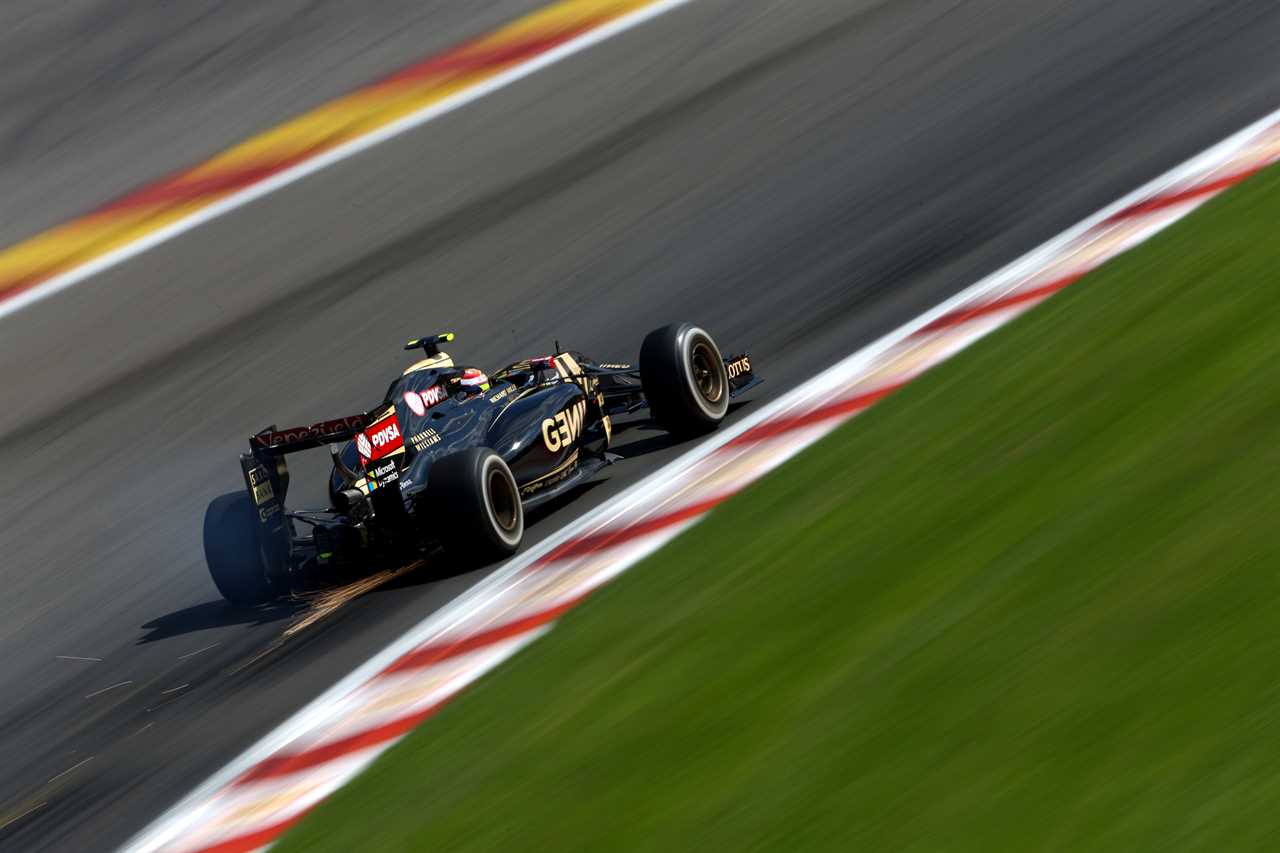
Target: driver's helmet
{"points": [[473, 380]]}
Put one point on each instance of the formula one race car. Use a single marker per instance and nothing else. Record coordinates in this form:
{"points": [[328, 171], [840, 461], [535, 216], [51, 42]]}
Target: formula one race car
{"points": [[451, 458]]}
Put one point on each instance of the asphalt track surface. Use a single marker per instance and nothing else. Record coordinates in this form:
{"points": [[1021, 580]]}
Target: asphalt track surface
{"points": [[800, 177], [98, 96]]}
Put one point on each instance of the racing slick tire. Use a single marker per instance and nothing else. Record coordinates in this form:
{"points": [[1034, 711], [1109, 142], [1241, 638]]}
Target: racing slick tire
{"points": [[233, 550], [477, 506], [684, 378]]}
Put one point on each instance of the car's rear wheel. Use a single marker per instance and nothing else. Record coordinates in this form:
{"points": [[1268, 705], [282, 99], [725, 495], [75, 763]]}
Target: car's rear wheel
{"points": [[684, 379], [476, 508], [233, 550]]}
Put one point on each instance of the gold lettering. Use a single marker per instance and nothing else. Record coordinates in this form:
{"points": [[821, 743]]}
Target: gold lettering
{"points": [[565, 427], [262, 493], [573, 420], [550, 436]]}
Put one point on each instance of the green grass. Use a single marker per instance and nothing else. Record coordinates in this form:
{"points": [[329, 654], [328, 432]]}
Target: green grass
{"points": [[1029, 603]]}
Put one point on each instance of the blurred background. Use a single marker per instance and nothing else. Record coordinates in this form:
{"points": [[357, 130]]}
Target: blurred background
{"points": [[799, 177]]}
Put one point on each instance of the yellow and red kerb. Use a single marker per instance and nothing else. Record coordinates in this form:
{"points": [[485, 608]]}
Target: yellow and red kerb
{"points": [[409, 90]]}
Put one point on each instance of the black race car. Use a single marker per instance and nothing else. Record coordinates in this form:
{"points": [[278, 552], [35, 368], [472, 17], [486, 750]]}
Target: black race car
{"points": [[452, 457]]}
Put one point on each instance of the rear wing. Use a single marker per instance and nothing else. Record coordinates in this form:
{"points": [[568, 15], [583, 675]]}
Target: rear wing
{"points": [[273, 442], [266, 475]]}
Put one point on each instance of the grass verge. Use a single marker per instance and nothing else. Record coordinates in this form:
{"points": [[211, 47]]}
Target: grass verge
{"points": [[1028, 603]]}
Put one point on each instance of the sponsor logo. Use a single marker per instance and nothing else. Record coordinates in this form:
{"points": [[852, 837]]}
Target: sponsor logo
{"points": [[501, 395], [565, 427], [337, 428], [379, 440], [383, 475], [433, 395], [386, 435], [558, 476], [414, 401], [738, 368], [425, 439], [339, 425], [260, 486], [419, 401], [615, 366], [287, 436], [262, 493]]}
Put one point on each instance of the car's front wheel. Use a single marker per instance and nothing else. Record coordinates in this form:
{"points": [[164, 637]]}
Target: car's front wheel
{"points": [[476, 508], [233, 550], [684, 378]]}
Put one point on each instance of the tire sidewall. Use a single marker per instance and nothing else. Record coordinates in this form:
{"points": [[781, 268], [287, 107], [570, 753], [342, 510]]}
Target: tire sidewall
{"points": [[491, 465], [465, 518], [689, 337], [670, 386]]}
